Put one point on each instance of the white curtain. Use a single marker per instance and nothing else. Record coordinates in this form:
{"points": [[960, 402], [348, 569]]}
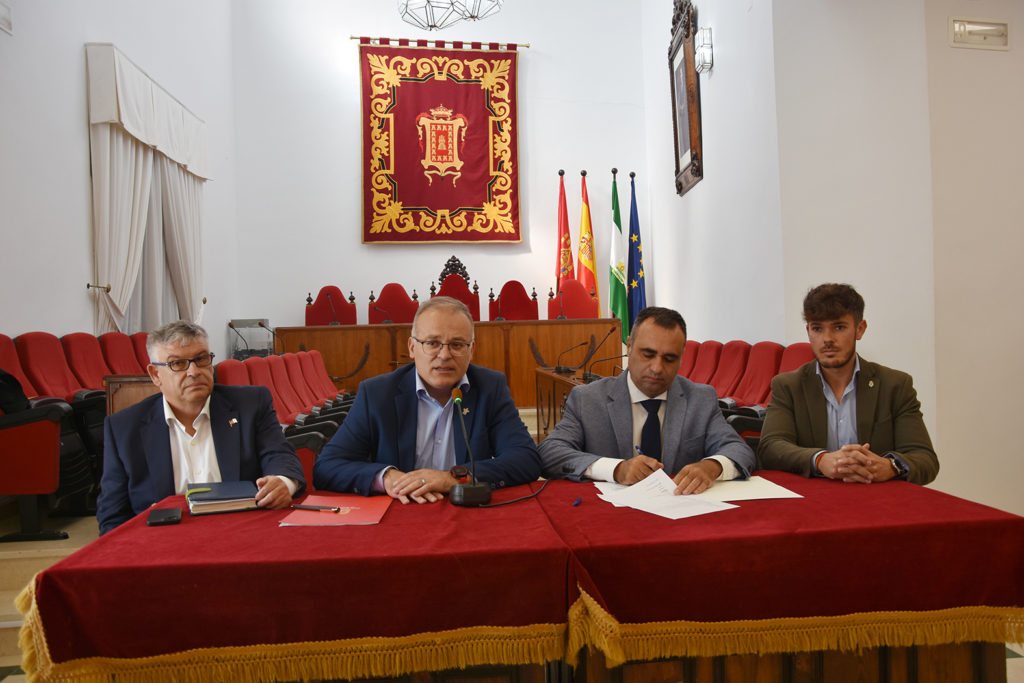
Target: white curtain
{"points": [[122, 176], [148, 158]]}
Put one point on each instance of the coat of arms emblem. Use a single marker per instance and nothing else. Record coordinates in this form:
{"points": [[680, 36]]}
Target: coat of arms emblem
{"points": [[442, 136]]}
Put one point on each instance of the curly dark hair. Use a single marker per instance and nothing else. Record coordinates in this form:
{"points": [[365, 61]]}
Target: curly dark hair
{"points": [[832, 301]]}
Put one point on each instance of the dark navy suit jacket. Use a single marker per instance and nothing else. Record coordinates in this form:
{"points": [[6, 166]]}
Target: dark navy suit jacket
{"points": [[137, 467], [380, 430]]}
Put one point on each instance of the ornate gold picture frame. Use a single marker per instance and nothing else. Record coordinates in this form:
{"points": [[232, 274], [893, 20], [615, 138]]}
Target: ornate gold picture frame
{"points": [[686, 124]]}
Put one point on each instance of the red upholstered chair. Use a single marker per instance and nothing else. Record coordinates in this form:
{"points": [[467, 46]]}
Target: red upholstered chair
{"points": [[10, 362], [393, 305], [795, 355], [753, 387], [572, 301], [689, 357], [287, 413], [317, 379], [42, 358], [298, 380], [330, 308], [231, 371], [30, 451], [293, 396], [513, 303], [707, 361], [85, 358], [119, 353], [730, 368], [141, 354], [457, 288]]}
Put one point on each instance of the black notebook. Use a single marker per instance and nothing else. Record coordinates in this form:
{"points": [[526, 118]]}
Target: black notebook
{"points": [[223, 496]]}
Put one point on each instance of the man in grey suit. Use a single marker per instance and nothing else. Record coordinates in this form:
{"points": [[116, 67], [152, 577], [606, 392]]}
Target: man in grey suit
{"points": [[624, 428], [841, 416]]}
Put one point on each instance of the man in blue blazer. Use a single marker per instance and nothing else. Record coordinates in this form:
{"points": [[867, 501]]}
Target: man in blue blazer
{"points": [[624, 428], [402, 437], [193, 431]]}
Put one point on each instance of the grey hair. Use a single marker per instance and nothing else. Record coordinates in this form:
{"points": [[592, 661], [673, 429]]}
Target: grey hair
{"points": [[453, 305], [179, 332]]}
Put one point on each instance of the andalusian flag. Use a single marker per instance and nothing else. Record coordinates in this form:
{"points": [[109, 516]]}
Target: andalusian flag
{"points": [[586, 267], [635, 276], [563, 253], [617, 266]]}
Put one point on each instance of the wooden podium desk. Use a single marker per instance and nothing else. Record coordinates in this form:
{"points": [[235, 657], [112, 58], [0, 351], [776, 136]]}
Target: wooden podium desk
{"points": [[500, 345], [552, 393]]}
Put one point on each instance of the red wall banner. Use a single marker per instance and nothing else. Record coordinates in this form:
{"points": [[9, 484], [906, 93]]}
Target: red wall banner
{"points": [[440, 155]]}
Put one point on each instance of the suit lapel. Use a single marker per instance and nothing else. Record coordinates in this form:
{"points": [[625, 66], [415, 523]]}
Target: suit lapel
{"points": [[672, 429], [406, 414], [817, 406], [867, 400], [620, 415], [227, 437], [157, 445]]}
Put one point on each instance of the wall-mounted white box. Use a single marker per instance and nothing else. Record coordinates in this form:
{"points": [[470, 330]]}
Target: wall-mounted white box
{"points": [[979, 34]]}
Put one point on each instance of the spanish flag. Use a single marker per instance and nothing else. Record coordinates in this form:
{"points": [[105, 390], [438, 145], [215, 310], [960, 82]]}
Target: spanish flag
{"points": [[586, 267]]}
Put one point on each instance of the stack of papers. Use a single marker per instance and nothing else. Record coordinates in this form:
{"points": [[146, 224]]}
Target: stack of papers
{"points": [[656, 495]]}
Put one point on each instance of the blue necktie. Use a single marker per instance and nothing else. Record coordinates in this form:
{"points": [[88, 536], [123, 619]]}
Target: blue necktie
{"points": [[650, 435]]}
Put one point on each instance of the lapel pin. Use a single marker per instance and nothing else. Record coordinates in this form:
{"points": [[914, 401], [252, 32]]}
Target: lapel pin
{"points": [[871, 383], [465, 411], [232, 422]]}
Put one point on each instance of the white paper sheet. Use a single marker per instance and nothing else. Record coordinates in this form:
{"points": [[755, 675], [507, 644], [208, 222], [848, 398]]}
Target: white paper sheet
{"points": [[655, 494]]}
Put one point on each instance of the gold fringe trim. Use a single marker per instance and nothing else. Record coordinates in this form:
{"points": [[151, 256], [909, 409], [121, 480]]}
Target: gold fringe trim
{"points": [[590, 624], [346, 659]]}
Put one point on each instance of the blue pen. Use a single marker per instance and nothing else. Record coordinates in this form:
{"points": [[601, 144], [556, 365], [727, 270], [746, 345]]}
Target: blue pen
{"points": [[638, 451], [577, 502]]}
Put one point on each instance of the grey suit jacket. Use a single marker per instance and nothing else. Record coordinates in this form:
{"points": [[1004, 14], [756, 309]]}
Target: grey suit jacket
{"points": [[888, 418], [598, 423]]}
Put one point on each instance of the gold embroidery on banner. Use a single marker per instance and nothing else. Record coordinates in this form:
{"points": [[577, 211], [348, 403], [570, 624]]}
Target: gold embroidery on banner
{"points": [[442, 135]]}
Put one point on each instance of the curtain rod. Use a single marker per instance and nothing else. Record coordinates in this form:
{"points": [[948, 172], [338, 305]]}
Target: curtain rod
{"points": [[426, 42]]}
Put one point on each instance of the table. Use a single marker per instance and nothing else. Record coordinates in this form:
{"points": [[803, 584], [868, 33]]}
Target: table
{"points": [[500, 345], [871, 574], [846, 567], [240, 598]]}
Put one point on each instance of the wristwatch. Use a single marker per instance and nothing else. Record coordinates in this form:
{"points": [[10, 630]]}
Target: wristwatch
{"points": [[460, 472], [898, 465]]}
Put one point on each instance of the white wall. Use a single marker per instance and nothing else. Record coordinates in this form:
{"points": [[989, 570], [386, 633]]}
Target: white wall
{"points": [[298, 141], [854, 163], [977, 100], [717, 248], [45, 195]]}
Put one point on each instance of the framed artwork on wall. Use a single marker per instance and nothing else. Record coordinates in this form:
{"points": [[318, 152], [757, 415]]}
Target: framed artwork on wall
{"points": [[686, 123]]}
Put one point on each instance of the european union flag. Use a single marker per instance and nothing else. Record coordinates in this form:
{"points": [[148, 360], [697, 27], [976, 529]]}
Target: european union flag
{"points": [[635, 287]]}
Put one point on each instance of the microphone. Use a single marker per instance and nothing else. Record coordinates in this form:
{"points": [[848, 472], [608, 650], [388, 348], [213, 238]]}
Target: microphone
{"points": [[246, 351], [387, 316], [563, 369], [499, 317], [334, 313], [476, 493], [587, 375], [561, 308], [278, 337]]}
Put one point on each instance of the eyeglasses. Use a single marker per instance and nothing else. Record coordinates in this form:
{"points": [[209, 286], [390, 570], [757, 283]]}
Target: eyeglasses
{"points": [[203, 360], [432, 347]]}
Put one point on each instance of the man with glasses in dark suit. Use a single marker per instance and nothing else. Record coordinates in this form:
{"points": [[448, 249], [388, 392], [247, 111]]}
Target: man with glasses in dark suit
{"points": [[400, 436], [192, 431]]}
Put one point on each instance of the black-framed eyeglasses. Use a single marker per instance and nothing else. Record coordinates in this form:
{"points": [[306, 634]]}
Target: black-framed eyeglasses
{"points": [[432, 347], [203, 360]]}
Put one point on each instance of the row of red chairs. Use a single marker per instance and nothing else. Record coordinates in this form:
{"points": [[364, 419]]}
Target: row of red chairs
{"points": [[65, 367], [395, 305], [741, 373], [305, 398]]}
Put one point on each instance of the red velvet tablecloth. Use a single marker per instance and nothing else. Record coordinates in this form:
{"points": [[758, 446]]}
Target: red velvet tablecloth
{"points": [[239, 579], [436, 586], [842, 549]]}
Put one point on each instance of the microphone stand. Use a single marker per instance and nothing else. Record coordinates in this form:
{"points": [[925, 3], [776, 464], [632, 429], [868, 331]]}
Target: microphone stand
{"points": [[245, 351], [387, 316], [499, 317], [476, 493], [271, 331], [561, 307], [334, 313], [565, 369], [589, 377]]}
